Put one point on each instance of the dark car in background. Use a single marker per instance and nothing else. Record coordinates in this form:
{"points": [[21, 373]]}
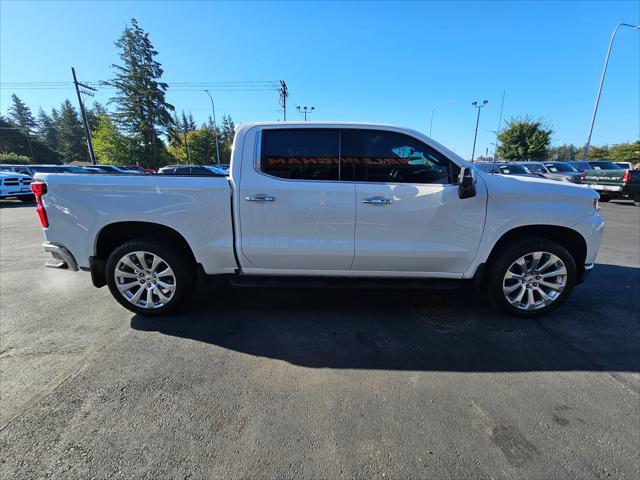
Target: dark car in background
{"points": [[583, 166], [207, 170], [506, 168], [31, 170], [112, 169], [610, 180], [140, 169]]}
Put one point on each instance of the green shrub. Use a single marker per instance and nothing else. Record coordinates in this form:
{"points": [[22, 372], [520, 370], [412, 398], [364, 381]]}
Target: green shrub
{"points": [[14, 158]]}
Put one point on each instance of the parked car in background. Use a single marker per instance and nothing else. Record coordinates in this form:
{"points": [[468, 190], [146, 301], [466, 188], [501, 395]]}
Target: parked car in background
{"points": [[15, 185], [614, 184], [583, 166], [208, 170], [553, 171], [140, 169], [625, 165], [325, 201], [562, 171], [31, 170], [506, 168], [218, 169], [112, 169]]}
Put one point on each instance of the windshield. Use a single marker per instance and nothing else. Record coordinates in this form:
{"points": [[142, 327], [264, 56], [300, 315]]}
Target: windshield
{"points": [[51, 169], [604, 165], [556, 167], [74, 170], [580, 166], [216, 170], [513, 169], [536, 167]]}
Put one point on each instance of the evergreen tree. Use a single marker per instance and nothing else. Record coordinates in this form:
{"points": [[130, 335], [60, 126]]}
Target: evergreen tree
{"points": [[21, 115], [595, 153], [71, 141], [188, 124], [93, 113], [175, 132], [13, 140], [625, 152], [227, 134], [47, 130], [141, 107], [563, 153]]}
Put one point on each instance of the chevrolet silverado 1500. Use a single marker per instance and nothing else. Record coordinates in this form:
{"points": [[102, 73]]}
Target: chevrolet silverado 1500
{"points": [[324, 200]]}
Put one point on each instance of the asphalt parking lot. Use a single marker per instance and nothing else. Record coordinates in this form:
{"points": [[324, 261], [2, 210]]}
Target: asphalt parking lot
{"points": [[316, 384]]}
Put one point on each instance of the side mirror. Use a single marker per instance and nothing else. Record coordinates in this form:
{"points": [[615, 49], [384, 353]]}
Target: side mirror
{"points": [[466, 183]]}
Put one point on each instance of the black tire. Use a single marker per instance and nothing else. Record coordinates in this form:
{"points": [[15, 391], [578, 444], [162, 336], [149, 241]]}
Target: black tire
{"points": [[605, 198], [27, 198], [503, 260], [173, 256]]}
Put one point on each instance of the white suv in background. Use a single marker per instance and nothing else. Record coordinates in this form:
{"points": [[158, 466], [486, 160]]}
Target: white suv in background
{"points": [[15, 185]]}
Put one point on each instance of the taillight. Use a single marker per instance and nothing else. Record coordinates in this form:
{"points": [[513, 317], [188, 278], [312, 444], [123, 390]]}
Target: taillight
{"points": [[39, 189], [625, 176], [582, 175]]}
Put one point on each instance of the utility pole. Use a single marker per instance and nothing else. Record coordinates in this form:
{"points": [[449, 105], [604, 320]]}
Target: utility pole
{"points": [[495, 150], [284, 93], [215, 127], [186, 144], [306, 110], [604, 73], [87, 130], [475, 136]]}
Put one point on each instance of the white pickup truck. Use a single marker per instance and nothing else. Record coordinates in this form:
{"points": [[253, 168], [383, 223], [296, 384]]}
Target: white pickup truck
{"points": [[324, 200]]}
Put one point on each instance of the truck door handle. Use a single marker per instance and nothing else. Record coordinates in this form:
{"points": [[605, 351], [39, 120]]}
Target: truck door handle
{"points": [[377, 201], [260, 198]]}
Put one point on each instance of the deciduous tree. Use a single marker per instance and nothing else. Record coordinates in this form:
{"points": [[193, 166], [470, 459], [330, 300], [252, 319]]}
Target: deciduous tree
{"points": [[110, 146]]}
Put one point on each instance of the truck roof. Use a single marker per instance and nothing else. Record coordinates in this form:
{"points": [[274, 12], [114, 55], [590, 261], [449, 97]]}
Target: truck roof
{"points": [[241, 128]]}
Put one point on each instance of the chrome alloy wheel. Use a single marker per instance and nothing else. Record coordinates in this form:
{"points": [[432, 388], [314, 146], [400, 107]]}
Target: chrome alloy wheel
{"points": [[145, 279], [534, 280]]}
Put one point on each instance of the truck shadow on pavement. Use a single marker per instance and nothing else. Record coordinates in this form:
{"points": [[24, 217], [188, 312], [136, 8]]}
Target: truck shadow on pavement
{"points": [[596, 330], [16, 204]]}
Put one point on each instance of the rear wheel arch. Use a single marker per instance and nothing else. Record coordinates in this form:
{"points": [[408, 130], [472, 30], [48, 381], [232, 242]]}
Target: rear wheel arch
{"points": [[115, 234]]}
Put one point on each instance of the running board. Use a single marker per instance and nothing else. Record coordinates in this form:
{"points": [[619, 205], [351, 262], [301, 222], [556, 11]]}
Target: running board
{"points": [[285, 281]]}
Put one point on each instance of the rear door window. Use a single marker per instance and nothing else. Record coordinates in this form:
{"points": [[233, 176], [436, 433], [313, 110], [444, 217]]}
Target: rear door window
{"points": [[301, 154], [390, 157]]}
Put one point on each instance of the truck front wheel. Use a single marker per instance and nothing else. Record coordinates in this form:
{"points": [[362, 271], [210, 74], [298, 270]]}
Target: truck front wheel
{"points": [[149, 276], [531, 277]]}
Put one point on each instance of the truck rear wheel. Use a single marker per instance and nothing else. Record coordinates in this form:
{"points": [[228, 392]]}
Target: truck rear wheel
{"points": [[149, 276], [531, 277]]}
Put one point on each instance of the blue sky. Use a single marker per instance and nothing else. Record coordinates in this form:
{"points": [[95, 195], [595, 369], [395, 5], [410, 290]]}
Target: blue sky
{"points": [[360, 61]]}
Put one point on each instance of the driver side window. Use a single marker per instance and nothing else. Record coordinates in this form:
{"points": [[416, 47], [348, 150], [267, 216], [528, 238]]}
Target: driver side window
{"points": [[390, 157]]}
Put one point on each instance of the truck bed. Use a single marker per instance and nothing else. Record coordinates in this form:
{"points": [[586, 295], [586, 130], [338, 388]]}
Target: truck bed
{"points": [[198, 208]]}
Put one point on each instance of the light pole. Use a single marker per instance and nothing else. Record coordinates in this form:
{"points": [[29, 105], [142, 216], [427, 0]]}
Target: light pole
{"points": [[306, 110], [215, 127], [604, 72], [475, 136], [433, 111]]}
